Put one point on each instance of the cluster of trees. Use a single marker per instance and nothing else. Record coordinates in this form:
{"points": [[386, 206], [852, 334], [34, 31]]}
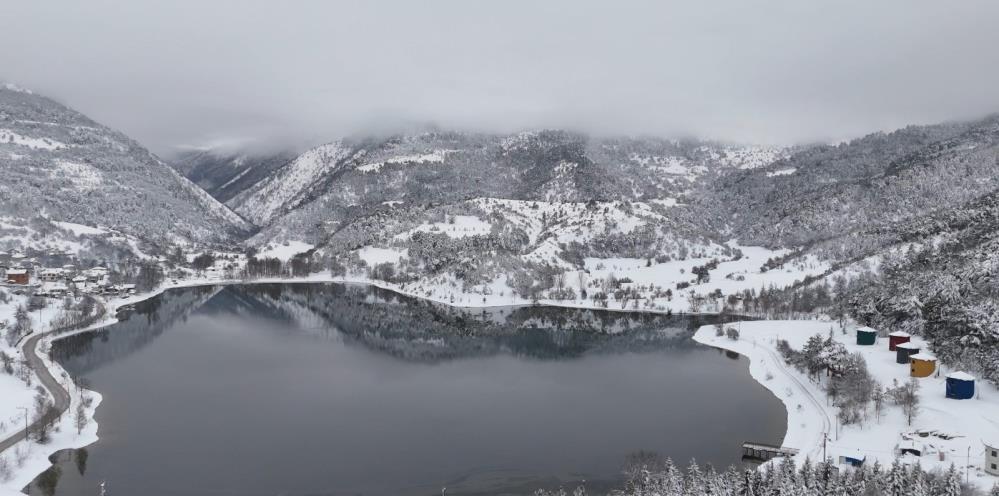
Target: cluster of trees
{"points": [[703, 272], [944, 293], [850, 386], [21, 326], [804, 300], [45, 415], [784, 478]]}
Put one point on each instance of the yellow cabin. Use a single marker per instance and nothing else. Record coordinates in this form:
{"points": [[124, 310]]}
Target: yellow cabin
{"points": [[922, 365]]}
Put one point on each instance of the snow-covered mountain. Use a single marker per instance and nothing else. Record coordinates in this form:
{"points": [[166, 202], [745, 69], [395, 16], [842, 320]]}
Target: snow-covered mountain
{"points": [[897, 225], [878, 181], [224, 173], [340, 181], [60, 166]]}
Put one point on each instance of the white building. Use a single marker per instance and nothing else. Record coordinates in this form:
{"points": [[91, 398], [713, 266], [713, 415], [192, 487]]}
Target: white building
{"points": [[992, 458], [96, 274], [51, 275]]}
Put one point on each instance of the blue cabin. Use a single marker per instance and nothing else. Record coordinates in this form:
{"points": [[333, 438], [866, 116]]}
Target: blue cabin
{"points": [[853, 461], [960, 386]]}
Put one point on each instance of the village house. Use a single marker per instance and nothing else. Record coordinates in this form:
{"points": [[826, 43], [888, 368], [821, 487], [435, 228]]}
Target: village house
{"points": [[95, 274], [51, 275], [17, 276], [53, 290]]}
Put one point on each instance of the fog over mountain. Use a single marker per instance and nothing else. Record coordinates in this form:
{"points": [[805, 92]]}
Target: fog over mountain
{"points": [[172, 73]]}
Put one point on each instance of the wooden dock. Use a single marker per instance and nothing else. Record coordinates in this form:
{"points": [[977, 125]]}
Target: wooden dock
{"points": [[765, 452]]}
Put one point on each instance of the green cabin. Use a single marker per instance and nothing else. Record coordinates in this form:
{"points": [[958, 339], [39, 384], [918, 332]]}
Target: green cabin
{"points": [[866, 336]]}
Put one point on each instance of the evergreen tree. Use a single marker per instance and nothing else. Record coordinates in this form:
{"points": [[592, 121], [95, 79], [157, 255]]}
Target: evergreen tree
{"points": [[951, 482], [895, 483]]}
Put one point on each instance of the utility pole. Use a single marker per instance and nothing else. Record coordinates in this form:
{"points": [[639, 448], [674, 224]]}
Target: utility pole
{"points": [[825, 436], [967, 468]]}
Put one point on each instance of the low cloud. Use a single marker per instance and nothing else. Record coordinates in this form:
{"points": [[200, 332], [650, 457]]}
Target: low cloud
{"points": [[173, 73]]}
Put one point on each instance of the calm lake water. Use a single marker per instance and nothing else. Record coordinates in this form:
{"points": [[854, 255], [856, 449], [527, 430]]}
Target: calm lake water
{"points": [[347, 390]]}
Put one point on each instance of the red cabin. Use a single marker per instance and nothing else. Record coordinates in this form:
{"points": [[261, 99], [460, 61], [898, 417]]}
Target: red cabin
{"points": [[896, 338], [17, 276]]}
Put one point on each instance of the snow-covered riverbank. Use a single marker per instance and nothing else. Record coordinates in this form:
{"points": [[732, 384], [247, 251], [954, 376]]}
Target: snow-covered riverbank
{"points": [[809, 416], [26, 459], [948, 431]]}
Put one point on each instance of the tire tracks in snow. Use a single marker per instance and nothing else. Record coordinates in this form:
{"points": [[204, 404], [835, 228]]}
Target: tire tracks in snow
{"points": [[819, 406]]}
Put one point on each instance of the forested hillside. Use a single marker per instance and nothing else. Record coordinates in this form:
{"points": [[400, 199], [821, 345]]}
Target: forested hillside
{"points": [[896, 229], [224, 174], [58, 165]]}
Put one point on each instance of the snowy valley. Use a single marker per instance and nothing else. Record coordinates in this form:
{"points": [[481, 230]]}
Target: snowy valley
{"points": [[893, 230]]}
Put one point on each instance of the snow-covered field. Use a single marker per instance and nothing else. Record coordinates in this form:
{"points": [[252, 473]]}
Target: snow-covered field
{"points": [[284, 252], [950, 431], [459, 227], [9, 136], [432, 157]]}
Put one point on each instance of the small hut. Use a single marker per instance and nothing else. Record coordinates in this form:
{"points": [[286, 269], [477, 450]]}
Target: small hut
{"points": [[991, 457], [904, 351], [910, 447], [866, 336], [896, 338], [922, 365], [960, 386]]}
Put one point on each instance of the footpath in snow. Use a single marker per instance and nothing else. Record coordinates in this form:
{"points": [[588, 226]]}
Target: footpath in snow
{"points": [[945, 430]]}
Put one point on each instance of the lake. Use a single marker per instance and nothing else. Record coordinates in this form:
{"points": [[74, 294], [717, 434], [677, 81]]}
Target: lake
{"points": [[326, 389]]}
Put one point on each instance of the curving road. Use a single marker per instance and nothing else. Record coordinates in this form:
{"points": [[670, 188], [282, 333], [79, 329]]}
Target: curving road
{"points": [[818, 404], [59, 394]]}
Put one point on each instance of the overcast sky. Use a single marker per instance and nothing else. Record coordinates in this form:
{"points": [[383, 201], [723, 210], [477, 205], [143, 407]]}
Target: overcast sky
{"points": [[191, 72]]}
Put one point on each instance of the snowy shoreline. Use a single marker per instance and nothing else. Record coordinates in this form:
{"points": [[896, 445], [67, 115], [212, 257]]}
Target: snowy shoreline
{"points": [[39, 462], [949, 431], [66, 438]]}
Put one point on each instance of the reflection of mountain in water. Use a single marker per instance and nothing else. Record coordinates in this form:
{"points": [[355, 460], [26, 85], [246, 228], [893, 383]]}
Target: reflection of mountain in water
{"points": [[82, 353], [426, 331], [387, 322]]}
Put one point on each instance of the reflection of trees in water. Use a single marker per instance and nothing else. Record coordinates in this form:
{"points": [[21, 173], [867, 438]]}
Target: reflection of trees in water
{"points": [[82, 353], [47, 481], [387, 322], [421, 330], [80, 457]]}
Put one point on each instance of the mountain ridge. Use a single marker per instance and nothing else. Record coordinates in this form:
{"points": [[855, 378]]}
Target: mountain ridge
{"points": [[60, 165]]}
